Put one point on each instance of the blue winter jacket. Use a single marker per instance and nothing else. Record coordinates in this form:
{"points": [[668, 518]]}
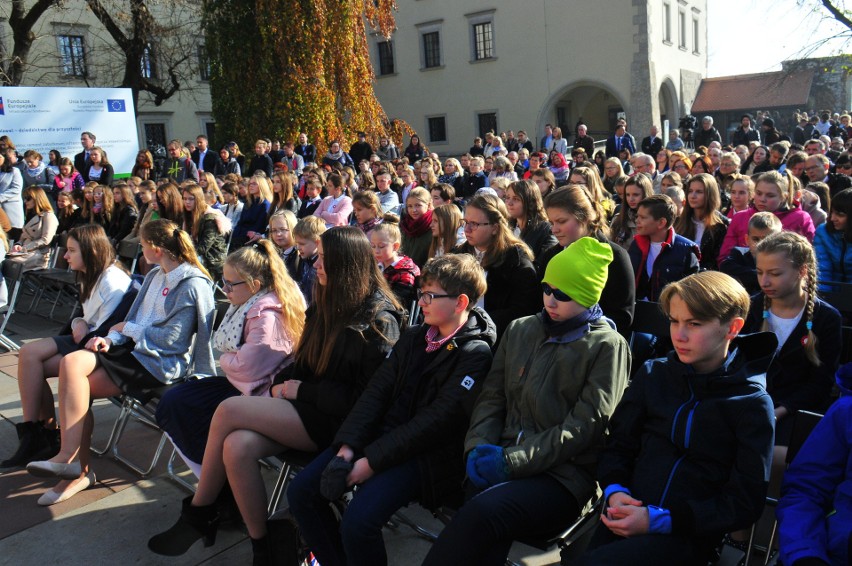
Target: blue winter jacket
{"points": [[678, 258], [815, 511], [834, 256]]}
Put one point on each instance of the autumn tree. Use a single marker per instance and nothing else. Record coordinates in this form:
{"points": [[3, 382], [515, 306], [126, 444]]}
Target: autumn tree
{"points": [[283, 67]]}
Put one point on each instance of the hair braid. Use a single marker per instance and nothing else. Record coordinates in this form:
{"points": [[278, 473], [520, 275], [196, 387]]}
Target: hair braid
{"points": [[811, 344]]}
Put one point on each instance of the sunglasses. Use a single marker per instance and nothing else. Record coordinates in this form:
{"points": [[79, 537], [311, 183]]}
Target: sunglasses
{"points": [[557, 294]]}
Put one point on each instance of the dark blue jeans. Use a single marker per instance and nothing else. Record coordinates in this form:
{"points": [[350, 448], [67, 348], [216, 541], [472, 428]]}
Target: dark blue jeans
{"points": [[483, 530], [357, 539]]}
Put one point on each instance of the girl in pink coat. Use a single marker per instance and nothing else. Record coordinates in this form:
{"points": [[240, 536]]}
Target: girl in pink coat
{"points": [[257, 339], [773, 192]]}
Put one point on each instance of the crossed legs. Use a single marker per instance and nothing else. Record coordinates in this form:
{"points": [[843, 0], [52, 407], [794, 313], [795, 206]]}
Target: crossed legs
{"points": [[243, 430]]}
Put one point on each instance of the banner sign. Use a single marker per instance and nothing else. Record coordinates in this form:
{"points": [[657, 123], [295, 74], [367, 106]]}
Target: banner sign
{"points": [[45, 118]]}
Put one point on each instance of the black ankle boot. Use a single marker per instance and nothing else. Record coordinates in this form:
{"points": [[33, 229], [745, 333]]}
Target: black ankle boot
{"points": [[285, 544], [32, 442], [261, 553], [195, 523]]}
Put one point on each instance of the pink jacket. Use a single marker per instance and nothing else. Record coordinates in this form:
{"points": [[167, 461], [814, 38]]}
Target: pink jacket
{"points": [[267, 349], [340, 217], [795, 220]]}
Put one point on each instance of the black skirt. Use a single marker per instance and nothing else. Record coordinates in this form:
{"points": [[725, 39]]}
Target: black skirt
{"points": [[125, 371], [65, 344], [186, 411]]}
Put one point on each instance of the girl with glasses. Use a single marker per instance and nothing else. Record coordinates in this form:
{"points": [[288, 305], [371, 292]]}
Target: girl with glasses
{"points": [[506, 259], [281, 227]]}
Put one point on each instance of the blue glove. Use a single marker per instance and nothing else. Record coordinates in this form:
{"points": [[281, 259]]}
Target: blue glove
{"points": [[474, 476], [490, 464]]}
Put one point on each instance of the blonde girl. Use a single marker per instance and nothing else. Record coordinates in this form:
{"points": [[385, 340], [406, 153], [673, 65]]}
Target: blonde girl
{"points": [[208, 228], [255, 211], [281, 227], [415, 225], [776, 193], [257, 339], [808, 329], [282, 194], [33, 248], [399, 270], [167, 326], [211, 188], [447, 232], [102, 205], [742, 191]]}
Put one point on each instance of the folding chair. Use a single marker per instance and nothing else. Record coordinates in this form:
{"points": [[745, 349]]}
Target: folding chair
{"points": [[804, 424], [291, 463], [839, 295], [12, 271], [649, 318], [129, 252]]}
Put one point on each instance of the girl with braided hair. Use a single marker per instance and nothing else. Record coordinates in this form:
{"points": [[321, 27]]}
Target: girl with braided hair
{"points": [[808, 330]]}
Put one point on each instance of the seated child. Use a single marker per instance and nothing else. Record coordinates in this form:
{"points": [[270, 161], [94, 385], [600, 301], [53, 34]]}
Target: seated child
{"points": [[659, 256], [815, 511], [403, 438], [280, 230], [399, 270], [540, 421], [740, 263], [689, 450], [306, 235]]}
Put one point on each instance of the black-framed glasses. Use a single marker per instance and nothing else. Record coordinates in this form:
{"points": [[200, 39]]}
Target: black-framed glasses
{"points": [[474, 225], [557, 294], [428, 297], [227, 286]]}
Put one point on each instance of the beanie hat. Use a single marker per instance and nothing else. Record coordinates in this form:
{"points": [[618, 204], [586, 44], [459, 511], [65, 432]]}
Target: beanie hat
{"points": [[580, 270], [769, 122]]}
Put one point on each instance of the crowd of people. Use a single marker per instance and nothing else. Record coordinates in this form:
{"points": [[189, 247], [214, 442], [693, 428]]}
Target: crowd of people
{"points": [[454, 332]]}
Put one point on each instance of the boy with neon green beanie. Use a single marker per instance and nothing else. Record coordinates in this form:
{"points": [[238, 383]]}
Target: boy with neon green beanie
{"points": [[539, 422]]}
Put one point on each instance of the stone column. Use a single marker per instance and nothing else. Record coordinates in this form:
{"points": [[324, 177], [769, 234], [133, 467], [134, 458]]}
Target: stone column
{"points": [[643, 108]]}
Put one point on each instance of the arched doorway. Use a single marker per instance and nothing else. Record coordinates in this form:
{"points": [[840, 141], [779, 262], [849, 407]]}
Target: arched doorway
{"points": [[597, 104], [668, 106]]}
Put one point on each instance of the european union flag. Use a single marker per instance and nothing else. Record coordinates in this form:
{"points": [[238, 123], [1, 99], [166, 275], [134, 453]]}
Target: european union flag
{"points": [[2, 108], [114, 105]]}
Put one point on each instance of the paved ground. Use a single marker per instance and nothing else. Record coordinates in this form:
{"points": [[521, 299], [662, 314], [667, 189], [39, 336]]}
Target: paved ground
{"points": [[111, 522]]}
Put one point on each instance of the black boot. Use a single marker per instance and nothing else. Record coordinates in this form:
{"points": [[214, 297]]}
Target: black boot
{"points": [[285, 544], [32, 445], [195, 523]]}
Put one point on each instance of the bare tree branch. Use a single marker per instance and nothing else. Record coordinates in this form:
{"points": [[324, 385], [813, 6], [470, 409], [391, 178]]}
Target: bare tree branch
{"points": [[22, 24], [839, 14]]}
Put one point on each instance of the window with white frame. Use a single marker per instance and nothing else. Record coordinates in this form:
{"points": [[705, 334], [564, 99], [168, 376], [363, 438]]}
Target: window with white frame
{"points": [[431, 56], [681, 30], [481, 26], [203, 63], [486, 122], [696, 46], [667, 23]]}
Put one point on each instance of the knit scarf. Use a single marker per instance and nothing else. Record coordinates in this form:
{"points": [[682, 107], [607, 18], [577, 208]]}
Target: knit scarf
{"points": [[369, 225], [336, 156], [414, 228], [574, 328], [448, 179], [229, 335]]}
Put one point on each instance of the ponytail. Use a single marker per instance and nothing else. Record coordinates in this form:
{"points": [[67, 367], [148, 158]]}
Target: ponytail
{"points": [[261, 262], [166, 235]]}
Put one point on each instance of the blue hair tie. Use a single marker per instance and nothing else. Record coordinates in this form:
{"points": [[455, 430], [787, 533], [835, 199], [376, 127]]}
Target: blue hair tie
{"points": [[809, 325], [766, 314]]}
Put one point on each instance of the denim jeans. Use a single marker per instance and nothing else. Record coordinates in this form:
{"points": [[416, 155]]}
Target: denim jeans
{"points": [[357, 539]]}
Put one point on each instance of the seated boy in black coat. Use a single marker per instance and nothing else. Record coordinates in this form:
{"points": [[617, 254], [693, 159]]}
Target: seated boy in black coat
{"points": [[403, 440], [740, 262]]}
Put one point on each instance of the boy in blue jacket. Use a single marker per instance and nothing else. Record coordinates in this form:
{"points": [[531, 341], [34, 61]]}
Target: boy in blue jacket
{"points": [[690, 444]]}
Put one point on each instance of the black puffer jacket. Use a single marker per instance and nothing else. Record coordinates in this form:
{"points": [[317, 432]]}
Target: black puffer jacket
{"points": [[433, 404], [699, 445]]}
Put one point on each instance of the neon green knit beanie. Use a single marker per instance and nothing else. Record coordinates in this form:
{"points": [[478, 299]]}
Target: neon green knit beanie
{"points": [[580, 270]]}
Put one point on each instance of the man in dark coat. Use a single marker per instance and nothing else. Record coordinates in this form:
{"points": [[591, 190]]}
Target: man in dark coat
{"points": [[204, 159], [653, 143], [81, 160]]}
